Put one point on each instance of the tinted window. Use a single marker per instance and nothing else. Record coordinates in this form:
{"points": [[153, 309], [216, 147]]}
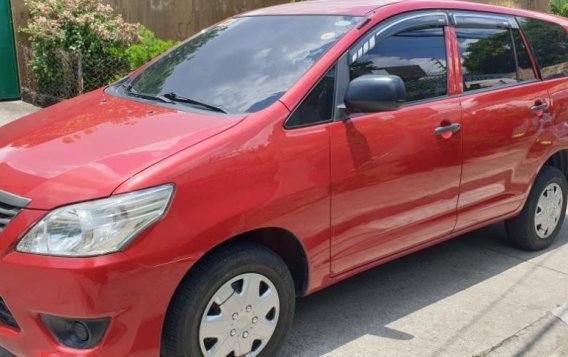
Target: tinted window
{"points": [[245, 64], [418, 57], [549, 43], [487, 56], [318, 105], [526, 71]]}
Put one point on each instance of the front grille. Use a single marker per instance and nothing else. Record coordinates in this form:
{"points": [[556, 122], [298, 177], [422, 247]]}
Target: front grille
{"points": [[6, 317], [10, 206], [7, 213]]}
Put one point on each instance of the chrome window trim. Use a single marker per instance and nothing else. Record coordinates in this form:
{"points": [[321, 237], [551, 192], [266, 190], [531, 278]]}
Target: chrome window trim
{"points": [[369, 41], [14, 200], [505, 21]]}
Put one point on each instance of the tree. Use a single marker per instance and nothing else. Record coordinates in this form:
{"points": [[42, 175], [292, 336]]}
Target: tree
{"points": [[559, 7]]}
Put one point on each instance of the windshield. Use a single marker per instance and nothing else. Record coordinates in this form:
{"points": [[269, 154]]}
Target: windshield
{"points": [[245, 64]]}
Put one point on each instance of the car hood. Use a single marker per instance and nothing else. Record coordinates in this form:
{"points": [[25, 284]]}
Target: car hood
{"points": [[86, 147]]}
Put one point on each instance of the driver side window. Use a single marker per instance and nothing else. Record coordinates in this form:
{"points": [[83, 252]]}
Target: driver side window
{"points": [[416, 56]]}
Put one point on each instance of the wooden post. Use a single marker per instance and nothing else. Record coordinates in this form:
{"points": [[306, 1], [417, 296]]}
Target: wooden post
{"points": [[80, 82]]}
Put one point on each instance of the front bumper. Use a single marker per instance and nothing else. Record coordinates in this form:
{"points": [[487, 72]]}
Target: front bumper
{"points": [[134, 296]]}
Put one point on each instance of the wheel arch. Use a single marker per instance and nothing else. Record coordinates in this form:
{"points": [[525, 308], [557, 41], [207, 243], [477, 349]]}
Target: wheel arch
{"points": [[559, 160], [282, 242], [286, 245]]}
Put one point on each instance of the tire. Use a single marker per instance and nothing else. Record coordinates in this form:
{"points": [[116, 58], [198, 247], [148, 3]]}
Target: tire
{"points": [[522, 230], [184, 332]]}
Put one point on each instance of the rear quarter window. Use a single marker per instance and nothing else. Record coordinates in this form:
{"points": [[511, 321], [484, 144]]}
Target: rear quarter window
{"points": [[493, 57], [549, 43]]}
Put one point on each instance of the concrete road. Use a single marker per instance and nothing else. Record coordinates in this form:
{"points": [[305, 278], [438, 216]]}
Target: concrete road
{"points": [[473, 295], [14, 110], [464, 297]]}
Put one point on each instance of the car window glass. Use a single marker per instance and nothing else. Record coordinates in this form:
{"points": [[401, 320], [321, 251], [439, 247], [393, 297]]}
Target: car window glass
{"points": [[245, 64], [487, 58], [417, 56], [549, 43], [526, 71], [317, 107]]}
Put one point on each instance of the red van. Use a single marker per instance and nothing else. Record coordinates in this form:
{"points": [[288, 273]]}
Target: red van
{"points": [[180, 211]]}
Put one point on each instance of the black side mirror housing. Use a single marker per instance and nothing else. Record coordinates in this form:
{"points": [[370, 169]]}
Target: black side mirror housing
{"points": [[375, 93]]}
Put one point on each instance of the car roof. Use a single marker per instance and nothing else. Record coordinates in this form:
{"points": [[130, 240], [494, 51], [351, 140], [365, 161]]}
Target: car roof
{"points": [[365, 7], [324, 7]]}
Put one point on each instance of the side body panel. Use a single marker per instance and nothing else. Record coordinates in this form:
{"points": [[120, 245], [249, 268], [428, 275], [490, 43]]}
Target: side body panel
{"points": [[558, 91], [395, 184], [259, 176], [504, 145]]}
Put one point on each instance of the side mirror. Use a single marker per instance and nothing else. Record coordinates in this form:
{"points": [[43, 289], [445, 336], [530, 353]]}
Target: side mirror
{"points": [[375, 93]]}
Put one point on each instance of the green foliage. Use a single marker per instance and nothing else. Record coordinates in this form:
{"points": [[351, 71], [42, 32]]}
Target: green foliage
{"points": [[81, 45], [78, 25], [149, 47], [70, 38], [559, 7]]}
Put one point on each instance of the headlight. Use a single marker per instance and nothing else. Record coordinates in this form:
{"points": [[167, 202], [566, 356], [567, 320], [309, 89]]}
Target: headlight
{"points": [[97, 227]]}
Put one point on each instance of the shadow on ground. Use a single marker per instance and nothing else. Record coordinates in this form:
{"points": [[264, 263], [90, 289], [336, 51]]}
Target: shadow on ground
{"points": [[366, 304]]}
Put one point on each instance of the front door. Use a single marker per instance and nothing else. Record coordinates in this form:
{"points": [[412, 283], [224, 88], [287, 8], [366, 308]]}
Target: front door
{"points": [[395, 177], [9, 88]]}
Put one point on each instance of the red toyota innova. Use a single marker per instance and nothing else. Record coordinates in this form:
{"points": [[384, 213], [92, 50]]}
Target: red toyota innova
{"points": [[180, 211]]}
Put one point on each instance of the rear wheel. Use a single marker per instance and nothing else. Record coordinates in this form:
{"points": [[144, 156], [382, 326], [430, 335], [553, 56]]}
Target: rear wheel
{"points": [[237, 302], [542, 217]]}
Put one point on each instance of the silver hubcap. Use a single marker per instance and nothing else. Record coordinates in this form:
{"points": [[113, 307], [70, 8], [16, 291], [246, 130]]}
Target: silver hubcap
{"points": [[548, 210], [240, 317]]}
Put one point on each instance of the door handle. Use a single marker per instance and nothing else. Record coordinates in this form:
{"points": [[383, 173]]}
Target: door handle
{"points": [[540, 107], [452, 128]]}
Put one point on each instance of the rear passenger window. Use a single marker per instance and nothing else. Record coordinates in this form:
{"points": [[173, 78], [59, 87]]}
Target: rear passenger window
{"points": [[488, 58], [549, 43], [417, 56]]}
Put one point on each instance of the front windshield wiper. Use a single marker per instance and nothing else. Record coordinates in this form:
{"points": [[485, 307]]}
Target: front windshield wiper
{"points": [[127, 83], [176, 98], [169, 98], [130, 91]]}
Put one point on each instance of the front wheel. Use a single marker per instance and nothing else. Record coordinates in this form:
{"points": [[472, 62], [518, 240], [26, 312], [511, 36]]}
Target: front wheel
{"points": [[236, 302], [541, 219]]}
